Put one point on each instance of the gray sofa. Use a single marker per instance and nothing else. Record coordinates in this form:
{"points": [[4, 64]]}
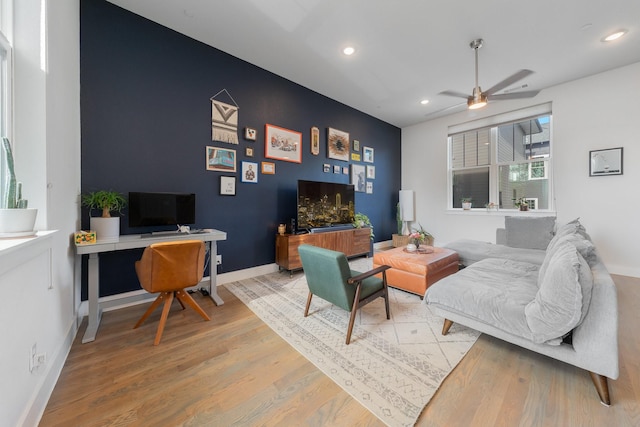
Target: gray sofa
{"points": [[543, 289]]}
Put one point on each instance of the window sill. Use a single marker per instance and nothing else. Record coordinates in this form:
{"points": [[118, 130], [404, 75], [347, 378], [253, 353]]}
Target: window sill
{"points": [[501, 212], [15, 251]]}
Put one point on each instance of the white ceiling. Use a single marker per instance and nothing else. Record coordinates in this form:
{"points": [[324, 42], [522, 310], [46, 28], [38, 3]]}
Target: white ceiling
{"points": [[408, 50]]}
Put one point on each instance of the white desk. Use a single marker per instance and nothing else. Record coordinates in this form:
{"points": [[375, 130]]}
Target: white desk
{"points": [[132, 241]]}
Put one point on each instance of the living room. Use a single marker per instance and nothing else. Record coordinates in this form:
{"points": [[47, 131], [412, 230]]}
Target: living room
{"points": [[59, 160]]}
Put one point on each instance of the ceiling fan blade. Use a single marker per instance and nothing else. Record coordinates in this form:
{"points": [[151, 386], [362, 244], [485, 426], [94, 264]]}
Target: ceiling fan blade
{"points": [[508, 81], [514, 95], [454, 93]]}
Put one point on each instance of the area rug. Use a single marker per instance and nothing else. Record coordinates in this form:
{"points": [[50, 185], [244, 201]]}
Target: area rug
{"points": [[392, 367]]}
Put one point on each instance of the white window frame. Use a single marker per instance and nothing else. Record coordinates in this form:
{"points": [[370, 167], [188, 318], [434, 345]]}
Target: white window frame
{"points": [[6, 78], [493, 122]]}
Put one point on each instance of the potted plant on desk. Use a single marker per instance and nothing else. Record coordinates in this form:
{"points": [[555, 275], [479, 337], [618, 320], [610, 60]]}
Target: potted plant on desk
{"points": [[107, 228]]}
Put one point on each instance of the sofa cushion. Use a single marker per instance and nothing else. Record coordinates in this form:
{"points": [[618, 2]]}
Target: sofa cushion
{"points": [[471, 251], [493, 291], [563, 296], [529, 232]]}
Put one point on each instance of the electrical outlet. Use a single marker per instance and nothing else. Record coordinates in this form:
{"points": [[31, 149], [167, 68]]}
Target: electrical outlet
{"points": [[218, 259]]}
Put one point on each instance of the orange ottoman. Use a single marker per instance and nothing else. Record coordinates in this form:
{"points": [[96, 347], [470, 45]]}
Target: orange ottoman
{"points": [[415, 272]]}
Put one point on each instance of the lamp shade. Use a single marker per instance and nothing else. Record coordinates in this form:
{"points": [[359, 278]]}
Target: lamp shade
{"points": [[406, 205]]}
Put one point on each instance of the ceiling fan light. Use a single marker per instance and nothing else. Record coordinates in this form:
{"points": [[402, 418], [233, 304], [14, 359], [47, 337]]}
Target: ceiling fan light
{"points": [[614, 36], [479, 100]]}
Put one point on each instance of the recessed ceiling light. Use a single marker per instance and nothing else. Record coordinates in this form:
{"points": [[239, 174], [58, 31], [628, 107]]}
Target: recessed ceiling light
{"points": [[614, 36], [348, 50], [424, 102]]}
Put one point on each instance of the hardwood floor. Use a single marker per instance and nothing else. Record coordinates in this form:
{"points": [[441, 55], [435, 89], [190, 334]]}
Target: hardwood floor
{"points": [[234, 370]]}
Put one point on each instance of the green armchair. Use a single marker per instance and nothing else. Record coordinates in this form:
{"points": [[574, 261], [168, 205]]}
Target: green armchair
{"points": [[329, 277]]}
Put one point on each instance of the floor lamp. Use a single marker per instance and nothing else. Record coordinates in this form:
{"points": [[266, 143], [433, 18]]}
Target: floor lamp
{"points": [[406, 210]]}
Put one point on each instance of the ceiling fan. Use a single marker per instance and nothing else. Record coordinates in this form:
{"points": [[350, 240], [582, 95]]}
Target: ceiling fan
{"points": [[479, 99]]}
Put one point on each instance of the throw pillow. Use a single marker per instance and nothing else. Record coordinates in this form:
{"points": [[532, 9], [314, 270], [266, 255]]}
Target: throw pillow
{"points": [[563, 298], [529, 232], [584, 247]]}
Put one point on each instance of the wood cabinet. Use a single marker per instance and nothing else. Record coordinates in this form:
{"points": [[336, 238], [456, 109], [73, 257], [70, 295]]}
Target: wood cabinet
{"points": [[351, 242]]}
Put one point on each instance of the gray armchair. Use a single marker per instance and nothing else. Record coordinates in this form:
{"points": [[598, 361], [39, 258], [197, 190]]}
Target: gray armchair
{"points": [[329, 277]]}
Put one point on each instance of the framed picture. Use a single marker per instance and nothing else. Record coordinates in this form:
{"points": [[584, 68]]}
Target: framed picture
{"points": [[367, 153], [336, 168], [227, 185], [221, 159], [369, 187], [338, 145], [315, 141], [250, 134], [356, 145], [355, 157], [248, 152], [268, 168], [605, 162], [345, 170], [326, 167], [250, 172], [371, 172], [282, 144], [358, 178]]}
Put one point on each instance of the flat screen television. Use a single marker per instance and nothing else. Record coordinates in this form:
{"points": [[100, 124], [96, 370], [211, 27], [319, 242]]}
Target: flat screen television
{"points": [[324, 204], [158, 209]]}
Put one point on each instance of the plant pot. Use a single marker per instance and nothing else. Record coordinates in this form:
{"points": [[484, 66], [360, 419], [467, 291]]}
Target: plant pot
{"points": [[466, 206], [524, 207], [107, 229], [17, 222]]}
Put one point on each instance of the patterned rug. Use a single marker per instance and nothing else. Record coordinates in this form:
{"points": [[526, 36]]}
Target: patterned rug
{"points": [[392, 367]]}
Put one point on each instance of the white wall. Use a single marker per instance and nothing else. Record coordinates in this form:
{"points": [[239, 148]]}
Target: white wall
{"points": [[47, 141], [600, 111]]}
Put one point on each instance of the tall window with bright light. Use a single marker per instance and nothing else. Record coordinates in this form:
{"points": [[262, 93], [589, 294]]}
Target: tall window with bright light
{"points": [[502, 163]]}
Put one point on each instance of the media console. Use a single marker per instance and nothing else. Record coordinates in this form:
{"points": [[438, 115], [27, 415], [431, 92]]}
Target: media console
{"points": [[353, 242]]}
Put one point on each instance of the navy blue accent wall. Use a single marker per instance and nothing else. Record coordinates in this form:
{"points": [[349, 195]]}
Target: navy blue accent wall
{"points": [[146, 123]]}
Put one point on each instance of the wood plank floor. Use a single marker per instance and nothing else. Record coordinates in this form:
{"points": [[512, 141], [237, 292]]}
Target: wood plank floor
{"points": [[234, 370]]}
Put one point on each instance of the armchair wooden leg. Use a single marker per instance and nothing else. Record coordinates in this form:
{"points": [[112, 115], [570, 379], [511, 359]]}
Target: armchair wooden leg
{"points": [[152, 307], [386, 294], [446, 326], [354, 310], [184, 297], [306, 310], [163, 318], [602, 387]]}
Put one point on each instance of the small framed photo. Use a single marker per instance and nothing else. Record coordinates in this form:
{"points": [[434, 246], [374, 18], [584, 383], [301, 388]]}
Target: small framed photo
{"points": [[371, 172], [268, 168], [369, 187], [250, 172], [250, 134], [605, 162], [356, 145], [336, 168], [345, 170], [315, 141], [326, 167], [358, 178], [355, 157], [221, 159], [227, 185], [248, 152], [367, 153], [282, 144], [338, 145]]}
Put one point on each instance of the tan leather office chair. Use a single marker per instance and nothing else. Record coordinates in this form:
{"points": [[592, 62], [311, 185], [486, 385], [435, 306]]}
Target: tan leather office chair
{"points": [[168, 268]]}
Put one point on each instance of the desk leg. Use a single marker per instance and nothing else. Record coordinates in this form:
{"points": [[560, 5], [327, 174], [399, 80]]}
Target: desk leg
{"points": [[95, 313], [213, 270]]}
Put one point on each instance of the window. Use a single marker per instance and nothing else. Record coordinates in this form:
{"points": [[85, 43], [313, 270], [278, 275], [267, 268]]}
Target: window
{"points": [[5, 80], [502, 162]]}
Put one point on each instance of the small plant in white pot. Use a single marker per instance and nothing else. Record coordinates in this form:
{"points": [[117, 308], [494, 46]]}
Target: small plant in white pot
{"points": [[15, 218], [466, 203], [107, 228]]}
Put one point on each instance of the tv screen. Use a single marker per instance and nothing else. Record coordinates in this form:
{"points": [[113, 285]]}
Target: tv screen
{"points": [[324, 204], [156, 209]]}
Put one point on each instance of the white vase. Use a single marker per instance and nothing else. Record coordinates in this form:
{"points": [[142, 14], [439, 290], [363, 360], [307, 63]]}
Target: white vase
{"points": [[411, 247], [466, 206], [107, 229], [18, 222]]}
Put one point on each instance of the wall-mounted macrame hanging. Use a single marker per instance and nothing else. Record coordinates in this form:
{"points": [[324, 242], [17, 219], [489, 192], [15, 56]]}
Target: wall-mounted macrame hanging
{"points": [[224, 119]]}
